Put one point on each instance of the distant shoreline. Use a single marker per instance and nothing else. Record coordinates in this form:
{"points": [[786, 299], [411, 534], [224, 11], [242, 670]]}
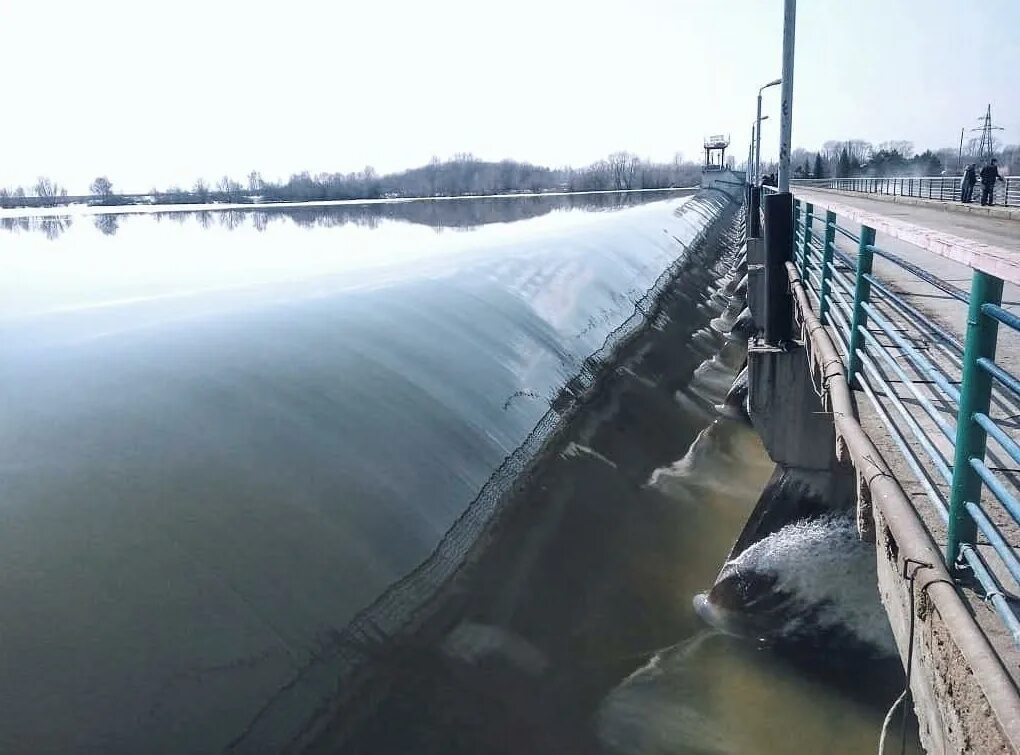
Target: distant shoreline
{"points": [[135, 209]]}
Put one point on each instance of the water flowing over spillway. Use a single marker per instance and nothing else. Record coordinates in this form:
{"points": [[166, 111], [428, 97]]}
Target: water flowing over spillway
{"points": [[439, 478], [224, 437]]}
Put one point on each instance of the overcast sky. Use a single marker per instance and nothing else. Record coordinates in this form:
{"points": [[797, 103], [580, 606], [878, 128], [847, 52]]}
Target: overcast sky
{"points": [[155, 93]]}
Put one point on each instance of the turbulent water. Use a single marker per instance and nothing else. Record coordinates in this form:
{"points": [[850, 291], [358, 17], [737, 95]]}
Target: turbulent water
{"points": [[227, 433]]}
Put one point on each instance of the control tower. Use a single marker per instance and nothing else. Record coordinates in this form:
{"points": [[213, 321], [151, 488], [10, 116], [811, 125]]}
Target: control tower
{"points": [[715, 151]]}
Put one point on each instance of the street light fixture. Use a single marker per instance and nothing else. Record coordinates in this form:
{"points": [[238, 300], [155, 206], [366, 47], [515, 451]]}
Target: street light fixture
{"points": [[755, 125], [758, 120]]}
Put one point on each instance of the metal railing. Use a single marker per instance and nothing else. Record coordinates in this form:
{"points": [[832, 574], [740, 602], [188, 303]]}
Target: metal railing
{"points": [[949, 406], [1006, 193]]}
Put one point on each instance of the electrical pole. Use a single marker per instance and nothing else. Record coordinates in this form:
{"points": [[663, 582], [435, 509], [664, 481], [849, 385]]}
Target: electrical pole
{"points": [[986, 146]]}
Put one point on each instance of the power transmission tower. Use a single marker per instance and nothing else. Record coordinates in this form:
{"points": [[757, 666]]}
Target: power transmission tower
{"points": [[986, 147]]}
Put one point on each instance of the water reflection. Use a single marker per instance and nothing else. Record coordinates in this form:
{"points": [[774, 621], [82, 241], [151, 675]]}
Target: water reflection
{"points": [[51, 227], [107, 224], [462, 213]]}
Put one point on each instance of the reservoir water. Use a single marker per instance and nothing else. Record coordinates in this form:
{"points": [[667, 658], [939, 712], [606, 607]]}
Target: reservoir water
{"points": [[226, 433]]}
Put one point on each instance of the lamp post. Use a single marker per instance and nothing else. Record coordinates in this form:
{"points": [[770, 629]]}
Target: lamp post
{"points": [[786, 107], [757, 141], [751, 157]]}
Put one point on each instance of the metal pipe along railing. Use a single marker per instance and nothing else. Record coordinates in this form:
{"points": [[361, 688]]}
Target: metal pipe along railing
{"points": [[846, 294]]}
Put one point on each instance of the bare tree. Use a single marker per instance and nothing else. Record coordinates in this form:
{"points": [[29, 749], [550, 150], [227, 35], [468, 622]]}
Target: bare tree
{"points": [[255, 182], [49, 192], [901, 146], [229, 189], [102, 187]]}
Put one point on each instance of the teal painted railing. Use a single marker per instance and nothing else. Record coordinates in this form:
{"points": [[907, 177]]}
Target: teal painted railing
{"points": [[931, 391], [1005, 193]]}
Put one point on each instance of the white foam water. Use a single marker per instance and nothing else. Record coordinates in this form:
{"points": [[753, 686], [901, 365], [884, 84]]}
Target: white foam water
{"points": [[829, 574], [709, 463], [473, 643], [654, 709]]}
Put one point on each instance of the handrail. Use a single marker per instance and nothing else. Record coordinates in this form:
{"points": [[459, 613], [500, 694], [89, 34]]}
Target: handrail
{"points": [[915, 542], [1005, 193], [994, 260], [954, 388]]}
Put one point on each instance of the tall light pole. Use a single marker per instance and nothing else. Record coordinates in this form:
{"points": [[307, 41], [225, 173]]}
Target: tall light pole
{"points": [[751, 157], [758, 120], [786, 113]]}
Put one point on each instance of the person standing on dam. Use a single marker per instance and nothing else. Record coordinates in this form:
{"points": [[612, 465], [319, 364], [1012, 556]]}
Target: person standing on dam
{"points": [[967, 183], [989, 175]]}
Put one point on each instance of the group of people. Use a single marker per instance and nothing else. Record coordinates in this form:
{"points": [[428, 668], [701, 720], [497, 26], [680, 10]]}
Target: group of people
{"points": [[989, 175]]}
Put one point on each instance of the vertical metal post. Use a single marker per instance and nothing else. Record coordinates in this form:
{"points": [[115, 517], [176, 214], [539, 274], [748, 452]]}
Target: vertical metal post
{"points": [[809, 211], [750, 159], [827, 255], [757, 142], [747, 207], [754, 227], [975, 396], [778, 251], [786, 121], [862, 295], [795, 256]]}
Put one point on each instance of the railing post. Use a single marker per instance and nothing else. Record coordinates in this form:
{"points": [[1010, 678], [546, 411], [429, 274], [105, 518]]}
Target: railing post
{"points": [[975, 396], [827, 255], [796, 225], [778, 251], [862, 295], [809, 211], [754, 226]]}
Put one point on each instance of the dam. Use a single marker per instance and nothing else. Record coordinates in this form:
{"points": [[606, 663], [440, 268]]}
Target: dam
{"points": [[445, 478], [495, 475]]}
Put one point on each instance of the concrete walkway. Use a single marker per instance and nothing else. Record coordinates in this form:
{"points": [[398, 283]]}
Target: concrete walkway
{"points": [[995, 231], [974, 208]]}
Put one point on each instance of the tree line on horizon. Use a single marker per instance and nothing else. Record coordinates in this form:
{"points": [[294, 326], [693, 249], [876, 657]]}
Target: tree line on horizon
{"points": [[856, 158], [466, 175], [462, 175]]}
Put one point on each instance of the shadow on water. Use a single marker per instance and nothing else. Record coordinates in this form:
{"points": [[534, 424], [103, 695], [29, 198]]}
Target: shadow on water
{"points": [[456, 213], [563, 634]]}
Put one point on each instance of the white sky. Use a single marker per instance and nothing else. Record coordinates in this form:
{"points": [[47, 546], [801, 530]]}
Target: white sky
{"points": [[156, 93]]}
